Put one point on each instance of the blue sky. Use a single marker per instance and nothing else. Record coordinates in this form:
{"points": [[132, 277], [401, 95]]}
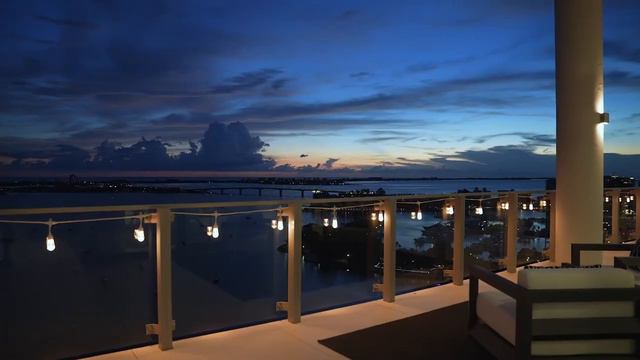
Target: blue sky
{"points": [[408, 88]]}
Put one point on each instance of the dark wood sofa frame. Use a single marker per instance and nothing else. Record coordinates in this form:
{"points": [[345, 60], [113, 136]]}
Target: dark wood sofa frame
{"points": [[528, 329]]}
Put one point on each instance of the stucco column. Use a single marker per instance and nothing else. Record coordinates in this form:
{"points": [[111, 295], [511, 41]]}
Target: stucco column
{"points": [[579, 144]]}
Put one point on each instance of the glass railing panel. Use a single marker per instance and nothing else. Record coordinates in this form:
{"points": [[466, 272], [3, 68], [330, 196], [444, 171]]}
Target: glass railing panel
{"points": [[93, 293], [424, 248], [533, 229], [627, 217], [230, 281], [484, 242], [341, 264]]}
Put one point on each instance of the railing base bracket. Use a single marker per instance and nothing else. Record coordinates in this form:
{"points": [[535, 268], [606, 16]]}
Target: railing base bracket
{"points": [[154, 329], [282, 306], [378, 288]]}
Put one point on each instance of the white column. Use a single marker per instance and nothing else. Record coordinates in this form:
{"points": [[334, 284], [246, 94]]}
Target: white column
{"points": [[389, 272], [579, 144], [458, 239]]}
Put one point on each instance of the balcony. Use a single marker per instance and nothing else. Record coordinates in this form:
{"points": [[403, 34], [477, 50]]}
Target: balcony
{"points": [[102, 290]]}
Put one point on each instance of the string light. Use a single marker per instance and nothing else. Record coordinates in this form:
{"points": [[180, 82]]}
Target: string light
{"points": [[325, 222], [504, 205], [606, 199], [449, 210], [419, 213], [280, 221], [381, 216], [374, 216], [413, 215], [524, 206], [628, 199], [334, 221], [138, 233], [631, 197], [543, 203], [274, 224], [50, 241], [479, 210], [530, 206], [215, 231]]}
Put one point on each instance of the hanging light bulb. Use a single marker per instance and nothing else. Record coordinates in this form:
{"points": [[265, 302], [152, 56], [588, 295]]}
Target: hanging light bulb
{"points": [[138, 233], [620, 199], [631, 197], [215, 231], [606, 199], [381, 216], [524, 206], [334, 221], [543, 203], [628, 198], [504, 205], [274, 224], [51, 243], [413, 215], [374, 216], [280, 223], [479, 210], [419, 213], [530, 206], [449, 210], [325, 222]]}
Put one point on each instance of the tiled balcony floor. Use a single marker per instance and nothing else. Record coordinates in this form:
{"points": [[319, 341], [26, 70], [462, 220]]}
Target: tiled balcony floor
{"points": [[282, 340]]}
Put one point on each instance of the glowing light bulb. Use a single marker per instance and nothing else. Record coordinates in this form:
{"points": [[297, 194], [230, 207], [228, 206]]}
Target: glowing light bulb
{"points": [[524, 206], [374, 216], [606, 199], [479, 210], [51, 243], [280, 223], [543, 203], [215, 232], [530, 206], [209, 230], [380, 216], [334, 221], [628, 199], [449, 210], [325, 222], [631, 198], [138, 233], [274, 224], [419, 215], [413, 215]]}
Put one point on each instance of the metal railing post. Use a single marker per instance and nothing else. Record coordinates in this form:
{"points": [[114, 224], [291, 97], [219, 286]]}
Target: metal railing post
{"points": [[293, 305], [512, 232], [389, 273], [615, 217], [552, 227], [458, 239], [636, 194], [165, 326]]}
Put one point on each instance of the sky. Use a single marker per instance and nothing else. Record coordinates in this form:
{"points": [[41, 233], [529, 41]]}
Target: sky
{"points": [[298, 88]]}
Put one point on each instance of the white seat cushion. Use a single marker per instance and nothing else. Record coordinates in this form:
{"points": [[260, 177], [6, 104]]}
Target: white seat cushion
{"points": [[498, 310]]}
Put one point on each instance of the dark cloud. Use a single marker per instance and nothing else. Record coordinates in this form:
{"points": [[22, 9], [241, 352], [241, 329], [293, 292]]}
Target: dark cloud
{"points": [[621, 51], [249, 80], [79, 24], [304, 155], [361, 75], [329, 163], [222, 148]]}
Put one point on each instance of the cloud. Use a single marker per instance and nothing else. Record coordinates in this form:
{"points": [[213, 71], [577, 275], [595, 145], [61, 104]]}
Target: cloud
{"points": [[304, 155], [250, 80], [79, 24], [222, 148], [361, 75], [621, 51], [329, 163]]}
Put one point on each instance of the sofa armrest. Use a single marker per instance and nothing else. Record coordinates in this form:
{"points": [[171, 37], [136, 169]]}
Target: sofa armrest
{"points": [[500, 283]]}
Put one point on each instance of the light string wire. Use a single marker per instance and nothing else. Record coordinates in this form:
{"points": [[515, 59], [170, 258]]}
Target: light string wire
{"points": [[51, 222], [221, 214], [424, 201], [343, 207]]}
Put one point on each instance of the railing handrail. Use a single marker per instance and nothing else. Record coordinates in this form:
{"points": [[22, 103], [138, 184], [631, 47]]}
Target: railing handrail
{"points": [[253, 203]]}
